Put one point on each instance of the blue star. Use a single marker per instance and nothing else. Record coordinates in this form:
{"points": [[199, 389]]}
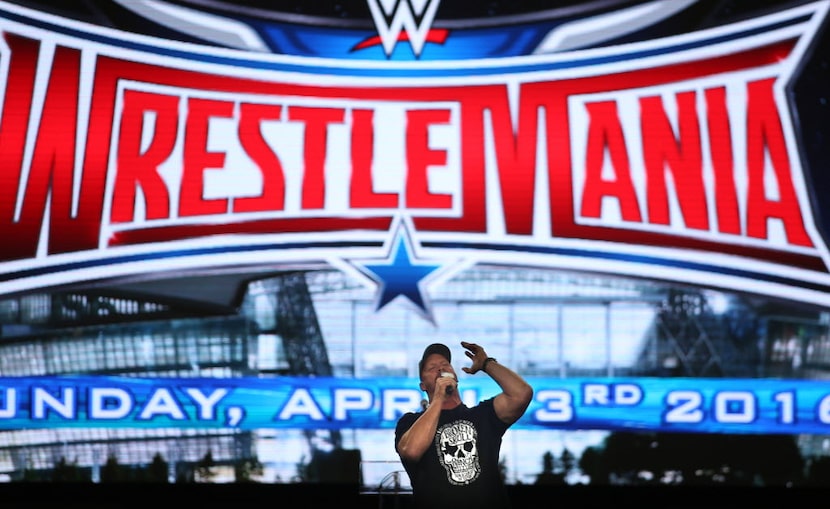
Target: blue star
{"points": [[399, 276]]}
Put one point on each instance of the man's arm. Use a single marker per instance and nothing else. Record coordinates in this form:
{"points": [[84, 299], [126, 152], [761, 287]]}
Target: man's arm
{"points": [[418, 438], [516, 393]]}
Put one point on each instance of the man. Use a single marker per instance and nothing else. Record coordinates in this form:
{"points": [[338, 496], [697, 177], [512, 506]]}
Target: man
{"points": [[451, 451]]}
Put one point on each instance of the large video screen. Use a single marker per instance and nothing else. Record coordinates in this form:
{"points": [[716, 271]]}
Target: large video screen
{"points": [[231, 228]]}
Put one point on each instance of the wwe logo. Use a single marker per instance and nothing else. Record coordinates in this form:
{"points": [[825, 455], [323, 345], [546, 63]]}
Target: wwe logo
{"points": [[403, 20]]}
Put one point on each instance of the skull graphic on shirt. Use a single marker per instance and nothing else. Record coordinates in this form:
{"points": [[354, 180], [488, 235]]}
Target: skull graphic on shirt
{"points": [[458, 452]]}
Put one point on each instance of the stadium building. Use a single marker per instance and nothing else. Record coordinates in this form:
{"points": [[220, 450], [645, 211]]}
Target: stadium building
{"points": [[321, 323]]}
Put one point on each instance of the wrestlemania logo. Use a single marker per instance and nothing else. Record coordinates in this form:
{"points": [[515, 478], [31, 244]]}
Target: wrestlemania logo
{"points": [[673, 159]]}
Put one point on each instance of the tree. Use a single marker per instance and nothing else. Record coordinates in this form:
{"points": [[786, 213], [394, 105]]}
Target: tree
{"points": [[30, 475], [568, 461], [303, 471], [593, 465], [773, 460], [548, 476], [818, 473], [67, 472], [247, 469], [158, 469], [627, 454], [204, 470], [112, 471]]}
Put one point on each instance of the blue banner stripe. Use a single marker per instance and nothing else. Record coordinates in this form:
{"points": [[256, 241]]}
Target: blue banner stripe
{"points": [[693, 405]]}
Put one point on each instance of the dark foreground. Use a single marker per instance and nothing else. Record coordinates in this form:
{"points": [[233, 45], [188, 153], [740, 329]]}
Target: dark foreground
{"points": [[297, 496]]}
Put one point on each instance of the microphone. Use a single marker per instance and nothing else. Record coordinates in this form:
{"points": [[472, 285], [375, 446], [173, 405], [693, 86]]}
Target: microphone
{"points": [[450, 389]]}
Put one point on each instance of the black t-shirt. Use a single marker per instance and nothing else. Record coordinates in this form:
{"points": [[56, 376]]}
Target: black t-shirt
{"points": [[461, 468]]}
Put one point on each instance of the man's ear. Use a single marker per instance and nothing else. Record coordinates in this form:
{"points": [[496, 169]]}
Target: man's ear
{"points": [[421, 385]]}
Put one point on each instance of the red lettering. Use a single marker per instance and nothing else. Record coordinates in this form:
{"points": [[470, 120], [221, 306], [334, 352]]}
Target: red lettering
{"points": [[765, 135], [361, 191], [73, 224], [419, 157], [53, 161], [140, 170], [273, 176], [197, 158], [605, 132], [516, 156], [474, 102], [14, 125], [720, 146], [316, 121], [680, 155]]}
